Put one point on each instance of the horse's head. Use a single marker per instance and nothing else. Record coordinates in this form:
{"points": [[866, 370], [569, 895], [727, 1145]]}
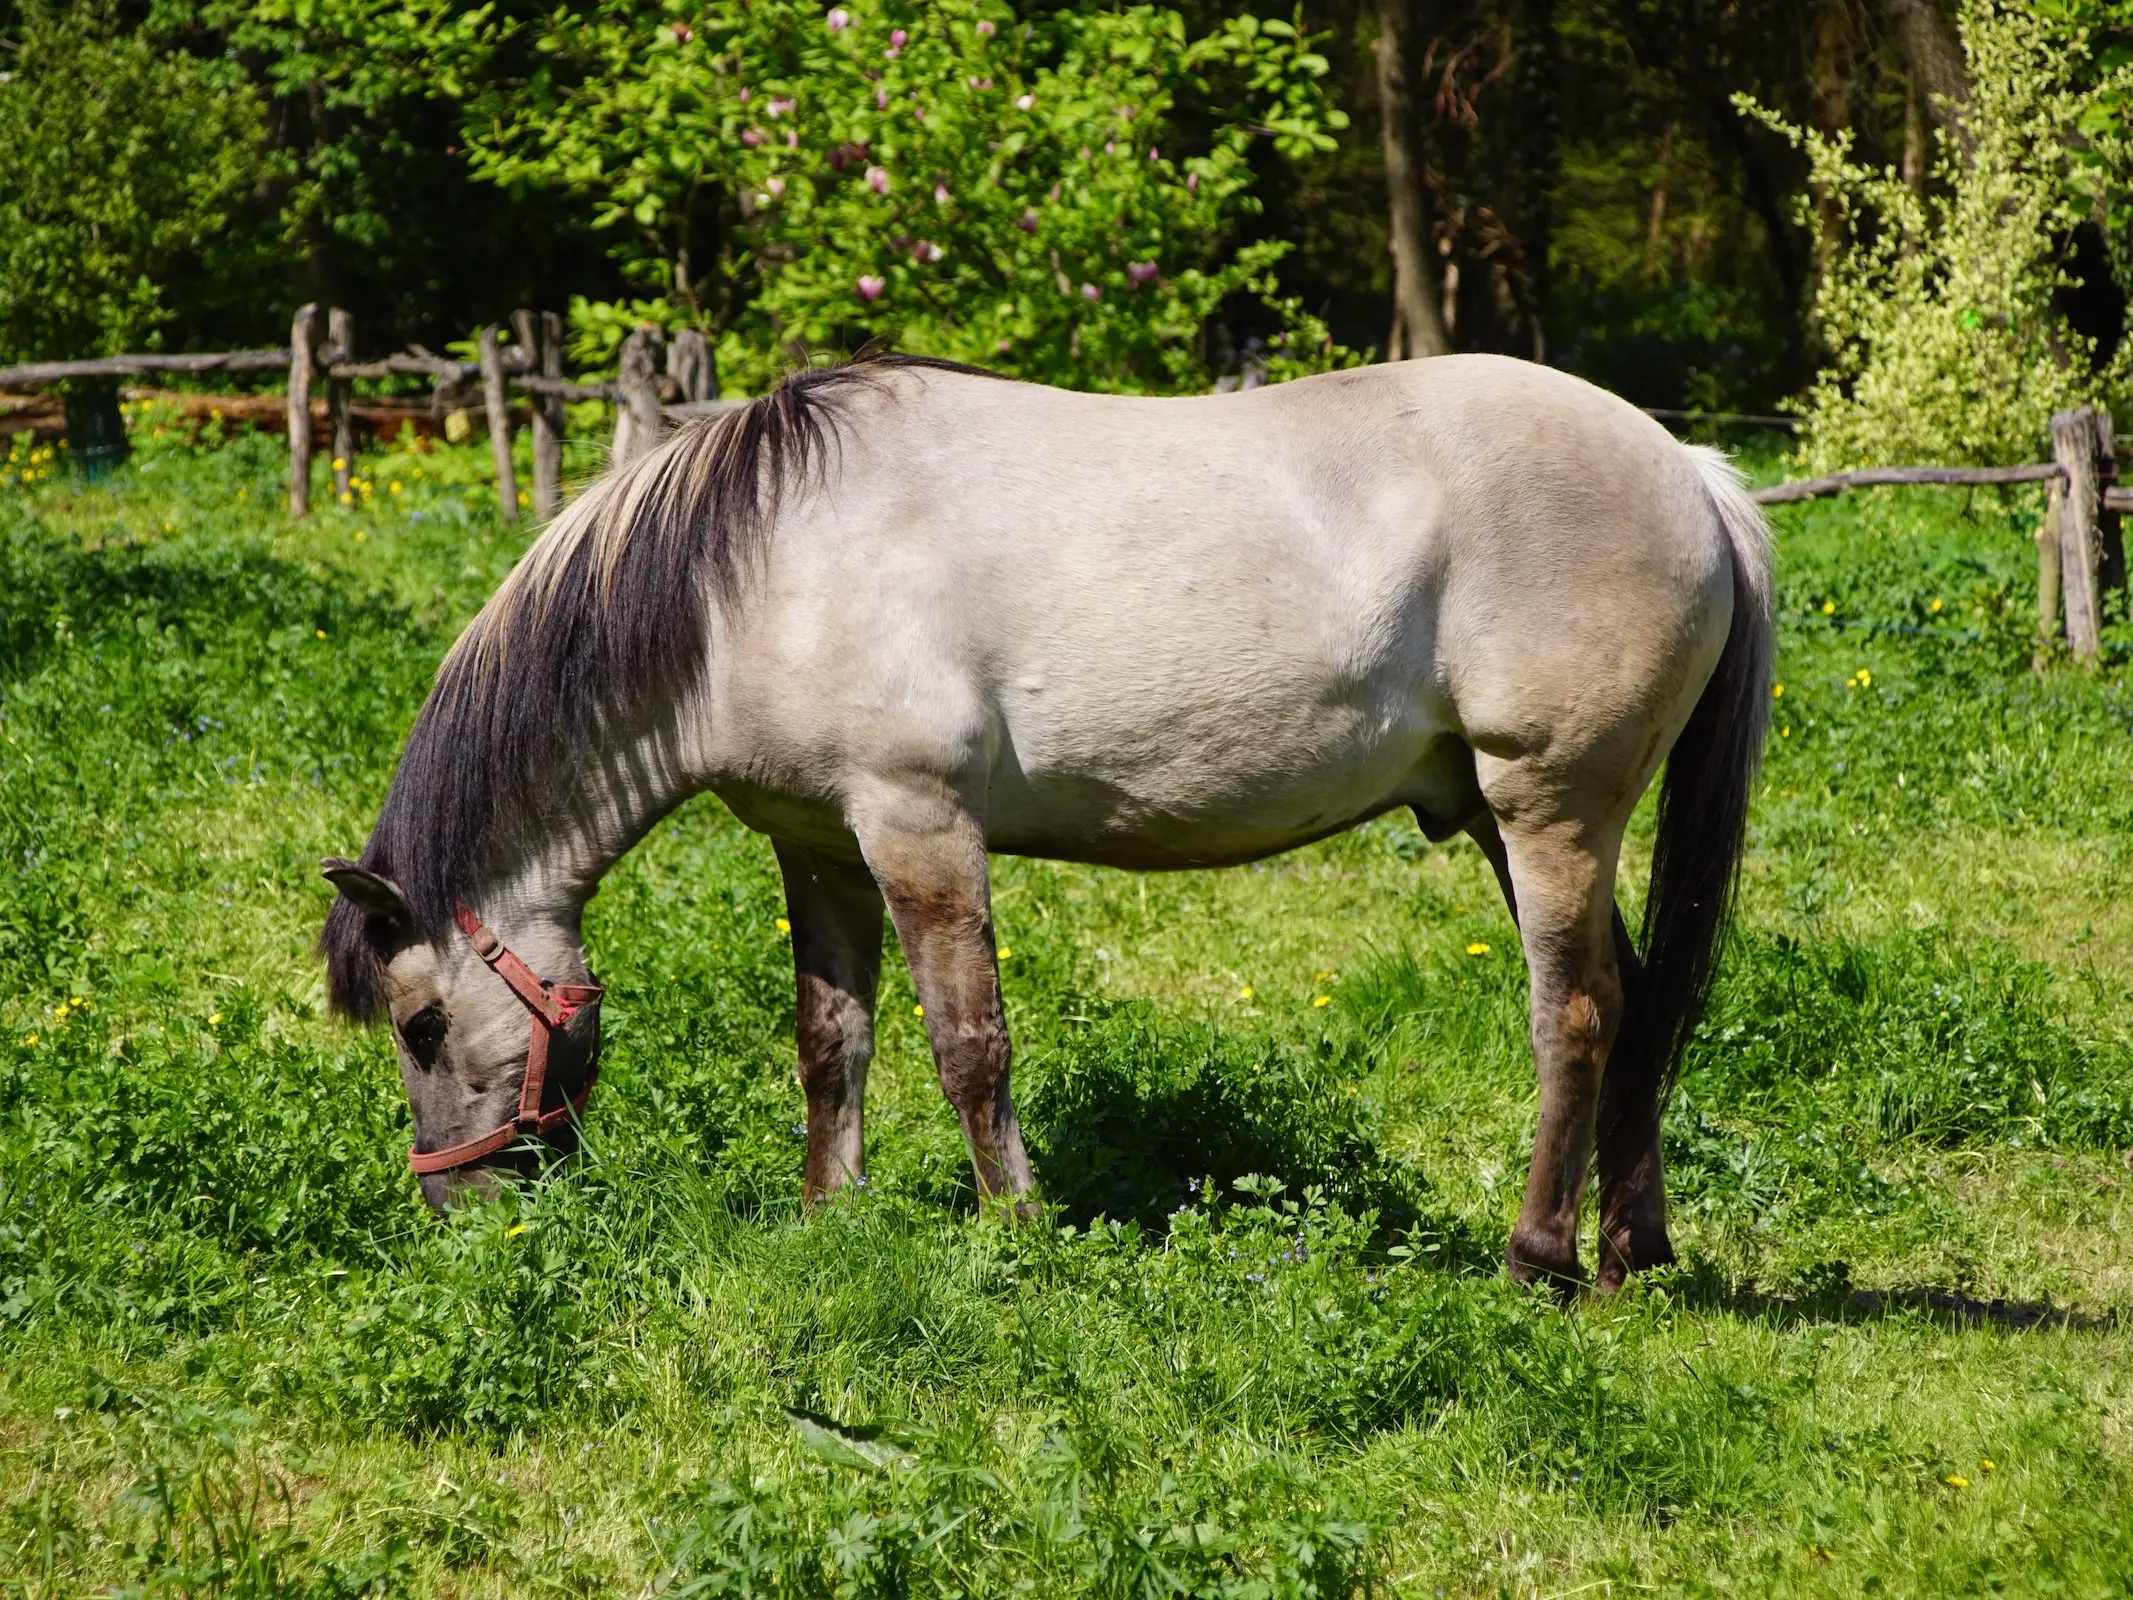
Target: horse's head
{"points": [[498, 1047]]}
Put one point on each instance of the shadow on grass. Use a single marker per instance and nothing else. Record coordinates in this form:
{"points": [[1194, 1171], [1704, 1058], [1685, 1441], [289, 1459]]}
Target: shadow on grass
{"points": [[1829, 1298], [1129, 1117]]}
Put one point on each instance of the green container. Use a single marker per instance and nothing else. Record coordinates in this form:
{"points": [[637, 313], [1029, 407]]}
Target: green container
{"points": [[96, 433]]}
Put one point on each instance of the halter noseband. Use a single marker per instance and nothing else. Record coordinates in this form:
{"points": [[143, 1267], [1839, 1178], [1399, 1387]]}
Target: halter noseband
{"points": [[552, 1005]]}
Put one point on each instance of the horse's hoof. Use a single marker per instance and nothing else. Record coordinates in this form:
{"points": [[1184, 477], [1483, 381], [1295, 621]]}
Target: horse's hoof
{"points": [[1543, 1263], [1630, 1250]]}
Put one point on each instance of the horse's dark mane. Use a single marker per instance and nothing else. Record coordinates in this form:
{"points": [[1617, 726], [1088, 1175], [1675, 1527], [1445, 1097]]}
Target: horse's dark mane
{"points": [[598, 613]]}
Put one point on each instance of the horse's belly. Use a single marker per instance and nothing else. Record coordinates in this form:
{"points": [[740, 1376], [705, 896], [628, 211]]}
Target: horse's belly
{"points": [[1172, 794]]}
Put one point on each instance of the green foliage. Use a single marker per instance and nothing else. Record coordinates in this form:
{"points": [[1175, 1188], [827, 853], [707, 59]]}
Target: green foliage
{"points": [[121, 163], [976, 186], [1937, 308]]}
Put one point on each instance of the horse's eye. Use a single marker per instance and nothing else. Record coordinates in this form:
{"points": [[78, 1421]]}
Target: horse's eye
{"points": [[423, 1034]]}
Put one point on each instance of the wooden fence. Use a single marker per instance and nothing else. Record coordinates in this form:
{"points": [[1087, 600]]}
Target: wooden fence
{"points": [[2078, 547]]}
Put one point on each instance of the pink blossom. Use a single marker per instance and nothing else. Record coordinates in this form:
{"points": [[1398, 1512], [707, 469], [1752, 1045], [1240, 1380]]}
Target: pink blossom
{"points": [[878, 179], [779, 107], [891, 53], [751, 137], [792, 138], [899, 38], [1110, 149], [1028, 224], [881, 99], [1154, 154], [1004, 346], [918, 113], [940, 194], [985, 30], [774, 186], [926, 251], [683, 33], [1192, 180], [1139, 272], [1091, 293], [1054, 195], [870, 287], [1024, 101], [839, 19], [745, 93]]}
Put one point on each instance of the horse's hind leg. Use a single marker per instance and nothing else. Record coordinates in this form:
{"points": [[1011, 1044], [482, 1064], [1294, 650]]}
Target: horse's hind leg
{"points": [[1631, 1176], [835, 911], [1559, 878], [928, 854]]}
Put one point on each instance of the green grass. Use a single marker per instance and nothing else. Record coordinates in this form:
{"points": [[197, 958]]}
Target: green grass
{"points": [[1262, 1347]]}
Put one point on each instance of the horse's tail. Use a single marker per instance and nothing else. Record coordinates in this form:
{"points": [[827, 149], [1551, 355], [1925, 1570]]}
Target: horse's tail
{"points": [[1702, 822]]}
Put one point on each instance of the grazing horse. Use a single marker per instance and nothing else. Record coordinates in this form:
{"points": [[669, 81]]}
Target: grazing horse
{"points": [[899, 615]]}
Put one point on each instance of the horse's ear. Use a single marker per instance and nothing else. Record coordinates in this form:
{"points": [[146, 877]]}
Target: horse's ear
{"points": [[369, 892]]}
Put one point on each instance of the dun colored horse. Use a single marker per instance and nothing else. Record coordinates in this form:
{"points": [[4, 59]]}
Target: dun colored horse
{"points": [[900, 615]]}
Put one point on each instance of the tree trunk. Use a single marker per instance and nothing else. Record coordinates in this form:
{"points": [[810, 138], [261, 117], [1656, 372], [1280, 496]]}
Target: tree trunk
{"points": [[1932, 58], [1417, 308]]}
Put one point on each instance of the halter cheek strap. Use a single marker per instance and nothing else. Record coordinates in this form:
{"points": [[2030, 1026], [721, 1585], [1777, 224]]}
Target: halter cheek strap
{"points": [[552, 1006]]}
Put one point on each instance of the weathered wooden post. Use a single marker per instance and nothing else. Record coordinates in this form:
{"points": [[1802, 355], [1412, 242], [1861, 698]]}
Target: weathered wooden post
{"points": [[2048, 575], [637, 420], [540, 334], [2075, 448], [340, 399], [690, 365], [498, 405], [303, 358]]}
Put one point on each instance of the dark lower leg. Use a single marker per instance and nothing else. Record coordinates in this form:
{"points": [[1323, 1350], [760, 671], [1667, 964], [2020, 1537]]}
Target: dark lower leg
{"points": [[1632, 1178], [835, 911]]}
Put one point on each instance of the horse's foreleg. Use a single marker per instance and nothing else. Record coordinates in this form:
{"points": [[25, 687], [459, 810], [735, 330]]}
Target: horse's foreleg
{"points": [[835, 911], [1562, 894], [930, 861]]}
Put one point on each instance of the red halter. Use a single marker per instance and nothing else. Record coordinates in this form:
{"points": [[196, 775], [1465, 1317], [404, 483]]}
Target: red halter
{"points": [[552, 1005]]}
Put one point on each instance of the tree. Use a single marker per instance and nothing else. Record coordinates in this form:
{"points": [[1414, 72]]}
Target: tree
{"points": [[120, 166]]}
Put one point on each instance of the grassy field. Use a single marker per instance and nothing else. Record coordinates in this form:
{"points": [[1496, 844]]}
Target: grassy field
{"points": [[1261, 1348]]}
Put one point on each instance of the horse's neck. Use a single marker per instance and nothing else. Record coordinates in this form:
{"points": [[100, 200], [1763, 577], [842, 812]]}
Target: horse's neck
{"points": [[617, 796]]}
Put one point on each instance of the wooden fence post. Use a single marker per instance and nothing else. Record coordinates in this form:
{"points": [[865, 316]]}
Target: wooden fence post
{"points": [[690, 365], [2048, 575], [303, 357], [540, 334], [2074, 447], [637, 422], [498, 405], [340, 398]]}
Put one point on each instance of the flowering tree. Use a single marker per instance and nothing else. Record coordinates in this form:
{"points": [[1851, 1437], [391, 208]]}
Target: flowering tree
{"points": [[1013, 192], [1937, 307]]}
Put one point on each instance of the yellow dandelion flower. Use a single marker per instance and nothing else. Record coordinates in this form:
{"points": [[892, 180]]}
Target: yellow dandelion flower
{"points": [[1322, 1000], [347, 499], [361, 536], [32, 1039], [1865, 677], [513, 1233], [1785, 732], [1477, 948], [340, 464], [1320, 977], [524, 499], [321, 632], [918, 1011], [170, 527], [1934, 607], [1988, 1464], [783, 926], [1245, 993], [1955, 1480], [1006, 954], [394, 486], [1777, 691], [1829, 608], [214, 1019]]}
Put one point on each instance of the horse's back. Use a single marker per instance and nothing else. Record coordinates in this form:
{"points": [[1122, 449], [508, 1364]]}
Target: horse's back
{"points": [[1170, 631]]}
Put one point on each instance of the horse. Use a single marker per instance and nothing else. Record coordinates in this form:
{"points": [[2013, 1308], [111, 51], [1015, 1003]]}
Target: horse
{"points": [[901, 614]]}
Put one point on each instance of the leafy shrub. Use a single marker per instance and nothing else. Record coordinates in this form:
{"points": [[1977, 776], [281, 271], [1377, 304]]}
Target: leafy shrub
{"points": [[1938, 307]]}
